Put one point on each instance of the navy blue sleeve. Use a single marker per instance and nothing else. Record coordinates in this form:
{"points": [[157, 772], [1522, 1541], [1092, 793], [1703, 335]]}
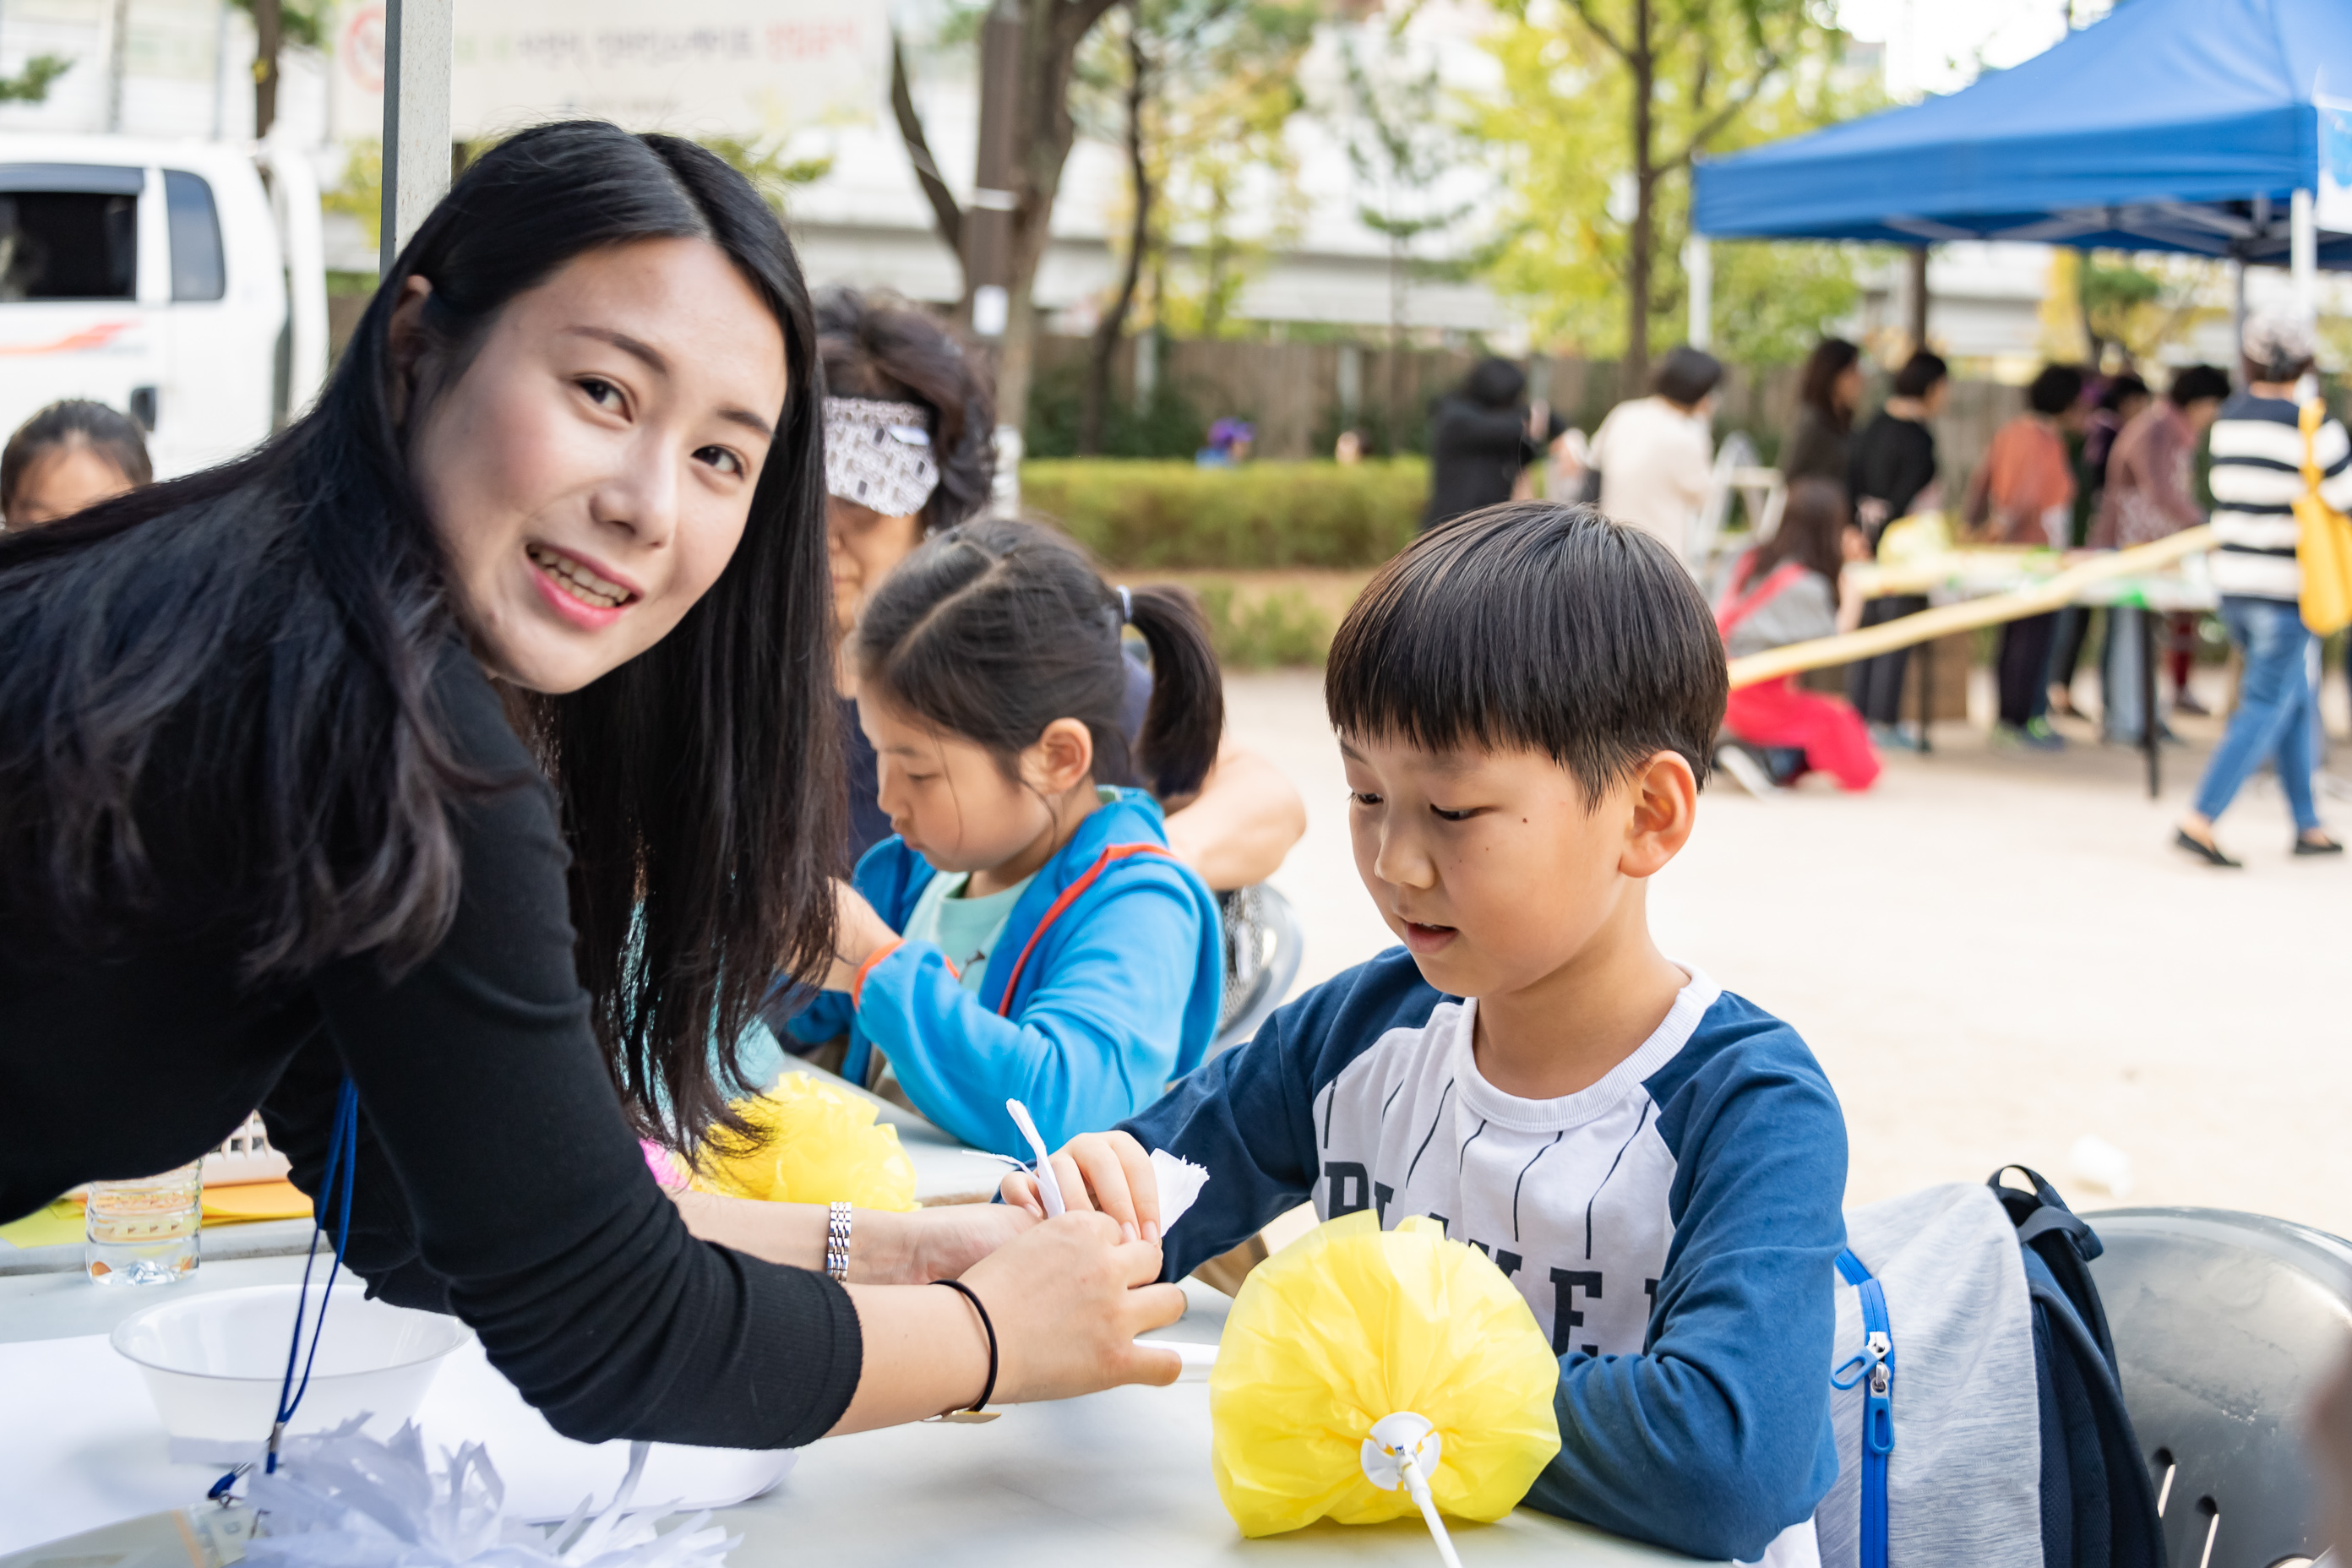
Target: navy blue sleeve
{"points": [[1717, 1438], [1248, 1116]]}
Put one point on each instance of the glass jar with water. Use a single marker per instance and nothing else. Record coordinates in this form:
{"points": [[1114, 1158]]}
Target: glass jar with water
{"points": [[143, 1232]]}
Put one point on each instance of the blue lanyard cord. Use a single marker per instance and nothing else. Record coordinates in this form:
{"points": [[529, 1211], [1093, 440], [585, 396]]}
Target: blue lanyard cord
{"points": [[343, 1158], [342, 1161]]}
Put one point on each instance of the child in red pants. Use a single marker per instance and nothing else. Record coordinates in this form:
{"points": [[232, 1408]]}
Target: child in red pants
{"points": [[1785, 591]]}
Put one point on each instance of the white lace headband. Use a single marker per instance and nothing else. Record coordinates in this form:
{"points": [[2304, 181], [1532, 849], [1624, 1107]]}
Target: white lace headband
{"points": [[879, 453]]}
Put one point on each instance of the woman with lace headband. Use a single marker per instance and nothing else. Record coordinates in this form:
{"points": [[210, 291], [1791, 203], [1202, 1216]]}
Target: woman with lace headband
{"points": [[909, 433]]}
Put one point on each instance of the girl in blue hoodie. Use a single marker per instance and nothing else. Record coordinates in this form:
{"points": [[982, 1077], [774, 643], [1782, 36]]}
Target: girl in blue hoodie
{"points": [[1025, 934]]}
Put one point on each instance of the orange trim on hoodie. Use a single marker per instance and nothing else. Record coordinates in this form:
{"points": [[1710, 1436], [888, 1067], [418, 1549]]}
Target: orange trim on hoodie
{"points": [[1070, 895], [857, 981]]}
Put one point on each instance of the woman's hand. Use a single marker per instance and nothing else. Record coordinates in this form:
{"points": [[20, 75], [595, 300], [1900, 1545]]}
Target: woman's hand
{"points": [[1066, 1298], [859, 934], [1110, 1171]]}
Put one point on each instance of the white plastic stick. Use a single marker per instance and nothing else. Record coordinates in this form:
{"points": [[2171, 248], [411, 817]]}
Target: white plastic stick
{"points": [[1049, 1187], [1397, 1452], [1419, 1487]]}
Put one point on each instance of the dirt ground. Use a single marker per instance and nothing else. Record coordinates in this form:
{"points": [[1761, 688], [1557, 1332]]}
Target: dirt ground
{"points": [[1994, 954]]}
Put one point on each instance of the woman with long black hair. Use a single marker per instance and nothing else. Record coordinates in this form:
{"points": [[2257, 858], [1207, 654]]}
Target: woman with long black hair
{"points": [[474, 741]]}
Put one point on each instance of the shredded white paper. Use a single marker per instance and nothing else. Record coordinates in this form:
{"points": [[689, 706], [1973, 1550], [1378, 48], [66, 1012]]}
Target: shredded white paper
{"points": [[343, 1500], [1181, 1182]]}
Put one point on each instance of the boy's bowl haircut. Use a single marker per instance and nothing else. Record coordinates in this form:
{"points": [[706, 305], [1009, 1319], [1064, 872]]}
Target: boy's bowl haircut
{"points": [[1539, 626]]}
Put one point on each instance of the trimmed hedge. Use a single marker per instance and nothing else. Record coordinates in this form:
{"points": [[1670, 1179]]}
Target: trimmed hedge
{"points": [[1135, 514]]}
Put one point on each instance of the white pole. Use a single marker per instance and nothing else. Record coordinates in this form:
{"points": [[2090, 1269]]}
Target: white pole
{"points": [[1698, 266], [417, 43], [118, 44], [2238, 321], [2303, 254], [220, 70]]}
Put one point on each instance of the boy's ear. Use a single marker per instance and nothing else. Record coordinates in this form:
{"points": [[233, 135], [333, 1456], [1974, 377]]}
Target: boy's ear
{"points": [[1665, 799], [1062, 759]]}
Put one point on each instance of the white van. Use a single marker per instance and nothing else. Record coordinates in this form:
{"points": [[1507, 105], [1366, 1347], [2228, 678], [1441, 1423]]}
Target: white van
{"points": [[179, 281]]}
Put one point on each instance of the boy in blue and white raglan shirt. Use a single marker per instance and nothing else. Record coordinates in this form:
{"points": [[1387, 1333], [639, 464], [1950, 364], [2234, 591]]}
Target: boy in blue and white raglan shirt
{"points": [[1526, 702]]}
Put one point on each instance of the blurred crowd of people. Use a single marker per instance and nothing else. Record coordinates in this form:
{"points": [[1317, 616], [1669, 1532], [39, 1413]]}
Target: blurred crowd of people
{"points": [[2092, 462]]}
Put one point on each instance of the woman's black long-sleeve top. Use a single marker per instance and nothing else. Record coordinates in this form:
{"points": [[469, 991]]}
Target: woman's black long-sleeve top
{"points": [[1476, 455], [498, 1178], [1819, 448], [1894, 459]]}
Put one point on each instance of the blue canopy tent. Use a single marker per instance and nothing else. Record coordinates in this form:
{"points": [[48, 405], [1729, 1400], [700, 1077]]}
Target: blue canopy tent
{"points": [[2180, 125]]}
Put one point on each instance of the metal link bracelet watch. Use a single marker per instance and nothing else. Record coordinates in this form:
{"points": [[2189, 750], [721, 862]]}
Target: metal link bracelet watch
{"points": [[836, 1242]]}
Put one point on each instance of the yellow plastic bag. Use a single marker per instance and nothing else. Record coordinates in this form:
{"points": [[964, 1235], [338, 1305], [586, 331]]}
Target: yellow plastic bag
{"points": [[1921, 536], [821, 1146], [1349, 1324], [2324, 541]]}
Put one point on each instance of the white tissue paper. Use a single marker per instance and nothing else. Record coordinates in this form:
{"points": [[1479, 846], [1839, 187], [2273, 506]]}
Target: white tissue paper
{"points": [[1181, 1182], [343, 1500]]}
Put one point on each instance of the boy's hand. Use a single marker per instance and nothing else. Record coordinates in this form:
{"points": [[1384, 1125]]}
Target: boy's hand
{"points": [[1106, 1171]]}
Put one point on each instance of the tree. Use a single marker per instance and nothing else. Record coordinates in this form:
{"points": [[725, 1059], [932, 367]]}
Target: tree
{"points": [[1401, 147], [31, 85], [1113, 325], [2100, 301], [1201, 94], [762, 160], [1605, 105], [275, 24], [1043, 130]]}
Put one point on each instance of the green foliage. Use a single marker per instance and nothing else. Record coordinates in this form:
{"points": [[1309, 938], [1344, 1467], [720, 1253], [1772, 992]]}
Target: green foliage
{"points": [[1773, 300], [301, 25], [1219, 84], [1143, 515], [2111, 290], [761, 161], [1402, 145], [1170, 425], [1400, 141], [1728, 74], [31, 85], [360, 193], [1280, 628]]}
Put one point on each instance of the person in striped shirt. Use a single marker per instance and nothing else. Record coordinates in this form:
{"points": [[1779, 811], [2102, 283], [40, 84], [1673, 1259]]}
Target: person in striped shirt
{"points": [[2257, 476]]}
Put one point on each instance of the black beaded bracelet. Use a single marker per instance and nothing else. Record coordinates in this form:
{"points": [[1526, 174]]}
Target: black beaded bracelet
{"points": [[969, 1294]]}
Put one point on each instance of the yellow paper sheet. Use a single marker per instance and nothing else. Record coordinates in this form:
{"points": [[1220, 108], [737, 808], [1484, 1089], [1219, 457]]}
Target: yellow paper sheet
{"points": [[52, 1227], [254, 1200]]}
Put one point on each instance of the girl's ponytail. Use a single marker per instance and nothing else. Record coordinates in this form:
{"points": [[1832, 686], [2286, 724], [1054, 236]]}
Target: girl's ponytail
{"points": [[1186, 719], [993, 629]]}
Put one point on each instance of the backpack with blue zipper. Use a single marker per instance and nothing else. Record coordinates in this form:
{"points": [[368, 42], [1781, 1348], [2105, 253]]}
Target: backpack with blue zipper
{"points": [[1980, 1418]]}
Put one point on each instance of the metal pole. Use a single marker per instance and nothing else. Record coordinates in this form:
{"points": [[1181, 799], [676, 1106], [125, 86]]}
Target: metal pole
{"points": [[988, 224], [988, 219], [2303, 254], [2151, 730], [1917, 325], [417, 45], [2238, 321], [220, 70], [1698, 266], [1927, 667], [118, 48]]}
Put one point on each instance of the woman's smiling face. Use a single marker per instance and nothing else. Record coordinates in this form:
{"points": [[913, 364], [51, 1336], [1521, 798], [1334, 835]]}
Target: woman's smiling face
{"points": [[590, 472]]}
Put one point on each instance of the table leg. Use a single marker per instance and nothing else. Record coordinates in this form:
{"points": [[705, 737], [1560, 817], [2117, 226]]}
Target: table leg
{"points": [[1925, 653], [2150, 730]]}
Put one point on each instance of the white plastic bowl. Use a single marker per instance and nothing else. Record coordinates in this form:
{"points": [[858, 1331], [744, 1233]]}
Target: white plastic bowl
{"points": [[214, 1363]]}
